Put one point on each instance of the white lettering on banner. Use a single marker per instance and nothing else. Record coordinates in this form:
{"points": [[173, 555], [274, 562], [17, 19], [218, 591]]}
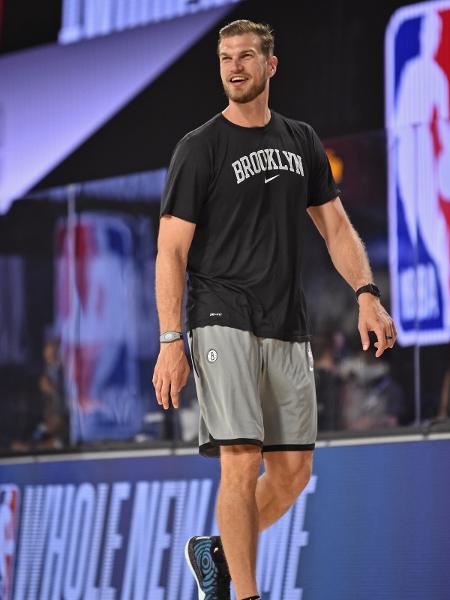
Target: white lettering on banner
{"points": [[29, 520], [272, 551], [140, 542], [299, 540], [91, 590], [279, 550], [87, 19], [77, 542], [419, 298], [113, 539], [162, 540], [269, 159], [190, 516], [73, 538], [56, 543], [38, 507]]}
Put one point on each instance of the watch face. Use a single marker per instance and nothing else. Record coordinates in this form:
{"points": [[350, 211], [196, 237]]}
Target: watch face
{"points": [[169, 336]]}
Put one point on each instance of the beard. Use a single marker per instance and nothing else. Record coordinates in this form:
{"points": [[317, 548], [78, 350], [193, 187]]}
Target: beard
{"points": [[241, 97]]}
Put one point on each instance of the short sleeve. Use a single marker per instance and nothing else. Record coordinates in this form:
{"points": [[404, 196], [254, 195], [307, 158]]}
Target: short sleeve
{"points": [[187, 181], [321, 184]]}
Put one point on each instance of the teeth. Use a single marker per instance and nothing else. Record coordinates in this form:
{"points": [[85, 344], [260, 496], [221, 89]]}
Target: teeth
{"points": [[233, 79]]}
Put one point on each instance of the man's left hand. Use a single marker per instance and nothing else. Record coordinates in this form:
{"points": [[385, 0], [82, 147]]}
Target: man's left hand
{"points": [[373, 317]]}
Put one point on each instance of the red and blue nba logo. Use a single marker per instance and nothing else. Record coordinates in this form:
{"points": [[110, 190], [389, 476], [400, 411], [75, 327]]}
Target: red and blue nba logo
{"points": [[96, 296], [417, 60], [9, 513]]}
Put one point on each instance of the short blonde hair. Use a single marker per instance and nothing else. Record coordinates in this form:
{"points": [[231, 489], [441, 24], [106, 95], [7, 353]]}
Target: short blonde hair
{"points": [[243, 26]]}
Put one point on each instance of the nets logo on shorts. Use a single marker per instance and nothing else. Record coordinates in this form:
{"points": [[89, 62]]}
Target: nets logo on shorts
{"points": [[9, 511], [212, 355], [417, 55]]}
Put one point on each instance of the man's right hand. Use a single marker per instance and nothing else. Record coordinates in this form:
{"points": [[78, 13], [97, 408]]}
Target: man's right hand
{"points": [[171, 373]]}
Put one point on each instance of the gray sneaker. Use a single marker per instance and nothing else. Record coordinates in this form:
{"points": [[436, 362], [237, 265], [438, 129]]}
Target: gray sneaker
{"points": [[206, 559]]}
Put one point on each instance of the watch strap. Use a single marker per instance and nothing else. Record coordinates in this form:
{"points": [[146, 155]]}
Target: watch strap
{"points": [[370, 288]]}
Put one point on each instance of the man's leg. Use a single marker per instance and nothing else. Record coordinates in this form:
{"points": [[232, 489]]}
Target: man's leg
{"points": [[237, 514], [286, 475]]}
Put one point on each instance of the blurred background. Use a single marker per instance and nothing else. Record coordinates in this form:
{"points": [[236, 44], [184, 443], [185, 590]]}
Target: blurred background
{"points": [[94, 95]]}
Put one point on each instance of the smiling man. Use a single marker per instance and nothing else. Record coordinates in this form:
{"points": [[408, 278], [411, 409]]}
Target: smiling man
{"points": [[233, 213]]}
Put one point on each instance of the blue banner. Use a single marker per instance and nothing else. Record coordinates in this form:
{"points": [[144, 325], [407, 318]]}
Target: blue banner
{"points": [[371, 525]]}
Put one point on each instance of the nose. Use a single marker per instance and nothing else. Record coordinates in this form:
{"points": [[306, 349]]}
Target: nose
{"points": [[236, 65]]}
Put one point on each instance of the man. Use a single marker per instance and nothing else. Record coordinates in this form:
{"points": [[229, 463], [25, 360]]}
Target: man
{"points": [[233, 213]]}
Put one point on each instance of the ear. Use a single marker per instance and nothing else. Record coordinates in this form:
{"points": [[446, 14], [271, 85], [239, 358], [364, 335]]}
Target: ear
{"points": [[272, 65]]}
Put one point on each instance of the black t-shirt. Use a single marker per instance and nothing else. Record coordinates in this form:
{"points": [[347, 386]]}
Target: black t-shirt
{"points": [[247, 188]]}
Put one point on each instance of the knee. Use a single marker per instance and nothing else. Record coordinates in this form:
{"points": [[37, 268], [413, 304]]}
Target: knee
{"points": [[302, 477], [240, 465], [295, 483], [292, 480]]}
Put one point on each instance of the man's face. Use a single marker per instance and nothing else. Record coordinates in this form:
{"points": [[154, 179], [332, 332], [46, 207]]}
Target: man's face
{"points": [[244, 69]]}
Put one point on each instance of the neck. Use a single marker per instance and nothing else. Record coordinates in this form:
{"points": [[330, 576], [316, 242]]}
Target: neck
{"points": [[251, 114]]}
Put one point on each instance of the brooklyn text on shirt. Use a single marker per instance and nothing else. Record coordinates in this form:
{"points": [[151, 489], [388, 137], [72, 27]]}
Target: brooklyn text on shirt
{"points": [[269, 159]]}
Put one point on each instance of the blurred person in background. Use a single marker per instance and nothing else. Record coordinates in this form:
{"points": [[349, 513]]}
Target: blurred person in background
{"points": [[330, 385], [232, 214], [372, 398], [52, 431], [20, 407]]}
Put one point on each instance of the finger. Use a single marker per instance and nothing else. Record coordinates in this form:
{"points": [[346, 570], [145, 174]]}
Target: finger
{"points": [[391, 341], [394, 330], [364, 334], [175, 395], [157, 386], [391, 334], [389, 338], [165, 393], [381, 344]]}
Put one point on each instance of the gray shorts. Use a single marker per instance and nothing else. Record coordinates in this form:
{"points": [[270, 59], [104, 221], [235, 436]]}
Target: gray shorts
{"points": [[253, 390]]}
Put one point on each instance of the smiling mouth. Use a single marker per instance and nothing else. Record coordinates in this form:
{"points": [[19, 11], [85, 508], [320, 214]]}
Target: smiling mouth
{"points": [[237, 80]]}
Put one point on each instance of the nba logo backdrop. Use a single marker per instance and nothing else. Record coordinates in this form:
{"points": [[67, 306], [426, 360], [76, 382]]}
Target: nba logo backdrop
{"points": [[417, 61]]}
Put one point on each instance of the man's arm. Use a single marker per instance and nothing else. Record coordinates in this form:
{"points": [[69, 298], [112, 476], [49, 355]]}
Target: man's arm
{"points": [[172, 368], [350, 259]]}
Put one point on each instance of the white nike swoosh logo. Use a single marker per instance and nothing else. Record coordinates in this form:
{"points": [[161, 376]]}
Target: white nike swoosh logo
{"points": [[270, 178]]}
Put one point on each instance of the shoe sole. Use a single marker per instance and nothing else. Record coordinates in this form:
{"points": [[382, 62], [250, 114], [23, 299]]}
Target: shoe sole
{"points": [[201, 593]]}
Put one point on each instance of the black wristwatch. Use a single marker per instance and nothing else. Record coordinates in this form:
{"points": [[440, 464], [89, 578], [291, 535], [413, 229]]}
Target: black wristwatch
{"points": [[371, 288]]}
